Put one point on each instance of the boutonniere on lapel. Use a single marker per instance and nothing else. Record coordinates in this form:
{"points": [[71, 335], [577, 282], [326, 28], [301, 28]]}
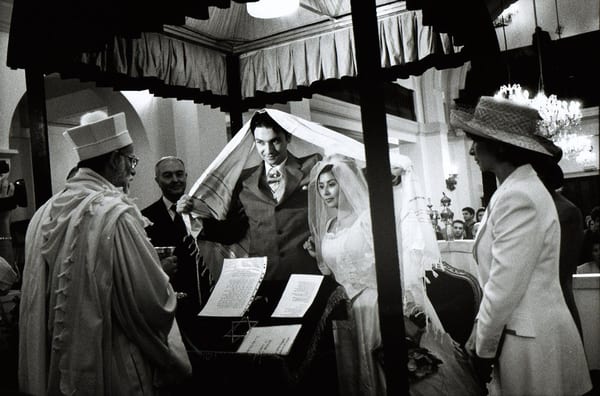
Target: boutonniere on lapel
{"points": [[304, 182], [306, 170]]}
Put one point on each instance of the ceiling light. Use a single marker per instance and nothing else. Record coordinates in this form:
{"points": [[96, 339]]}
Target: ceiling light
{"points": [[266, 9]]}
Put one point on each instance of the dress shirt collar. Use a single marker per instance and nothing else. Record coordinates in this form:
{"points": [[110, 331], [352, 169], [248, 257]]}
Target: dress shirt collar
{"points": [[278, 167], [168, 204]]}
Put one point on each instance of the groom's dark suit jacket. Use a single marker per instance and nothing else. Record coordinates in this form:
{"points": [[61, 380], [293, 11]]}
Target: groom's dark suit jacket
{"points": [[276, 230], [166, 232]]}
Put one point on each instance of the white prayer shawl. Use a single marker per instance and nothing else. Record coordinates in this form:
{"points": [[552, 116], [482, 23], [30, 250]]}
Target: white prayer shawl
{"points": [[8, 276], [97, 310], [215, 185]]}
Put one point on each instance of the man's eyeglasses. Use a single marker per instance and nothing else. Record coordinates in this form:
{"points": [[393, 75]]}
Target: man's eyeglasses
{"points": [[133, 160]]}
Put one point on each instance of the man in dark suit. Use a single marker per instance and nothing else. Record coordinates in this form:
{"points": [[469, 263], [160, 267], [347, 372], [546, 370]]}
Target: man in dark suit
{"points": [[270, 203], [571, 224], [168, 229], [469, 221], [590, 235]]}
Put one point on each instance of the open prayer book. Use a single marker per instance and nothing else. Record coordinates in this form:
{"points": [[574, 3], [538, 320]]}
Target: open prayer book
{"points": [[299, 294], [296, 299], [270, 339], [236, 288]]}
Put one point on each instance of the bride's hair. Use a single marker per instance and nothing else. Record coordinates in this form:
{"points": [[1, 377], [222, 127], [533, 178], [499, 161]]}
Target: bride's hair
{"points": [[327, 168]]}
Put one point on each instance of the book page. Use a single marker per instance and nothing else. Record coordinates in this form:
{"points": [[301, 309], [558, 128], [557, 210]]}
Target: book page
{"points": [[236, 288], [270, 339], [298, 296]]}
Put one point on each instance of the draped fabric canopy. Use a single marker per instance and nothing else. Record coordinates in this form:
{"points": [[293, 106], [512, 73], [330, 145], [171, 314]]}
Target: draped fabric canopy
{"points": [[404, 40], [125, 44], [175, 50]]}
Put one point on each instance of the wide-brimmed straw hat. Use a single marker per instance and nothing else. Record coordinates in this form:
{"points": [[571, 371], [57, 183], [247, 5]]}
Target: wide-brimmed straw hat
{"points": [[502, 120]]}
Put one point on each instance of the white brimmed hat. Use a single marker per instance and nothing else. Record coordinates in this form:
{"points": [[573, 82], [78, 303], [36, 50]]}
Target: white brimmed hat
{"points": [[502, 120], [100, 136]]}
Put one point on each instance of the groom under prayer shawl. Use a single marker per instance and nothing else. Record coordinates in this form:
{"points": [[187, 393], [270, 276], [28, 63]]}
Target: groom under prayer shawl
{"points": [[269, 203], [226, 183], [97, 310]]}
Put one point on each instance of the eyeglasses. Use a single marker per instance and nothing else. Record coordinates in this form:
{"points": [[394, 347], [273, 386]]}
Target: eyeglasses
{"points": [[133, 160]]}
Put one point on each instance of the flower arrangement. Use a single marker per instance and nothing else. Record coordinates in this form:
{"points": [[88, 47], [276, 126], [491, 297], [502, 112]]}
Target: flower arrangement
{"points": [[421, 362]]}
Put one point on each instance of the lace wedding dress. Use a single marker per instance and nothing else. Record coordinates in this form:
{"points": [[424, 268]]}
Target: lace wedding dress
{"points": [[347, 254], [344, 246]]}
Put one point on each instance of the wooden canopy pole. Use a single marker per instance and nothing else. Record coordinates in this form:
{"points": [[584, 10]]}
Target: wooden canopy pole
{"points": [[234, 88], [38, 131], [379, 179]]}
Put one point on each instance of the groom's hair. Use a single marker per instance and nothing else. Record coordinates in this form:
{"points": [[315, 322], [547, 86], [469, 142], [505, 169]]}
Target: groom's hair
{"points": [[263, 119]]}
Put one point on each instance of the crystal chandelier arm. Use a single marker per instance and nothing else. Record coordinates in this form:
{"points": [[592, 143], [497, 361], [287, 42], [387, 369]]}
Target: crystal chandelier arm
{"points": [[538, 43], [505, 44], [558, 26]]}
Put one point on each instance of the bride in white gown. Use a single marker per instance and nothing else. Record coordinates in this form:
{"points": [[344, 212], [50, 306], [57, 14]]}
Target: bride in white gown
{"points": [[342, 243]]}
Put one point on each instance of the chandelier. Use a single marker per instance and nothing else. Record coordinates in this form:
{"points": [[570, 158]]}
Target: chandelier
{"points": [[559, 117], [559, 121]]}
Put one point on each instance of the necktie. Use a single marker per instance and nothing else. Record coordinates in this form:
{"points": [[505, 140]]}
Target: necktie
{"points": [[274, 181], [179, 224]]}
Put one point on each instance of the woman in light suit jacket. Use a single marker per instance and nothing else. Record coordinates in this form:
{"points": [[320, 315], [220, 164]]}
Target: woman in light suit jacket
{"points": [[523, 325]]}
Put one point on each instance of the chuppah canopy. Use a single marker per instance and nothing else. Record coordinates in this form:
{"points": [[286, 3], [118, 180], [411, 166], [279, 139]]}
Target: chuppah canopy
{"points": [[126, 46], [184, 49]]}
